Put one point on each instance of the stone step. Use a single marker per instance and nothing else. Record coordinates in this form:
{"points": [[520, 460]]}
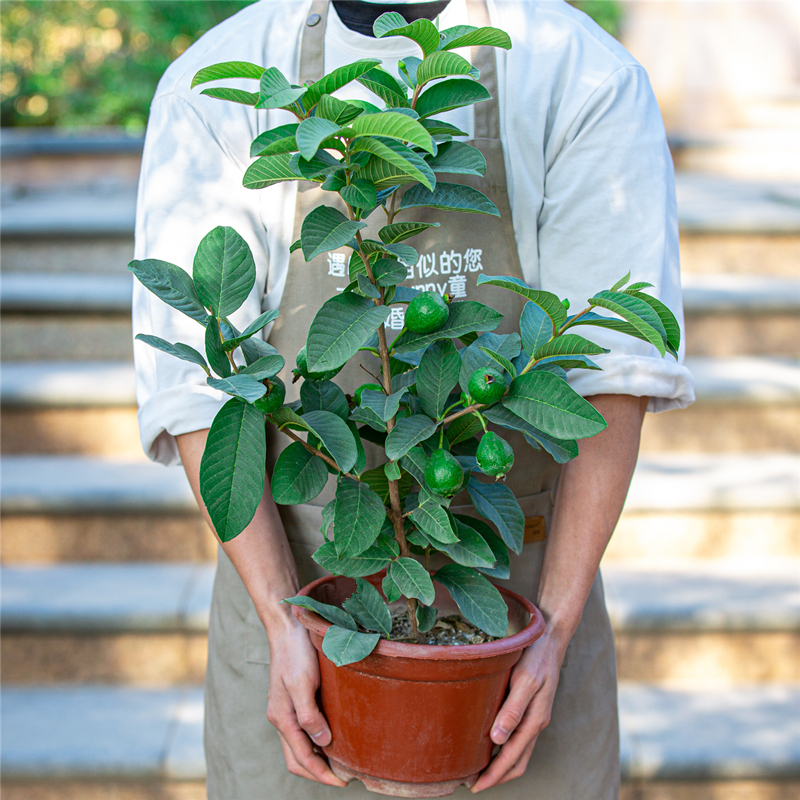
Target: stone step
{"points": [[89, 408], [691, 741], [145, 624]]}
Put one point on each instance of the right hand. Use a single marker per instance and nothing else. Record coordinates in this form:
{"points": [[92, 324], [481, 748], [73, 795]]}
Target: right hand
{"points": [[292, 709]]}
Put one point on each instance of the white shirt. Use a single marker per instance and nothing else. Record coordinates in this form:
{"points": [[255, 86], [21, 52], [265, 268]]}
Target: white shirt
{"points": [[590, 181]]}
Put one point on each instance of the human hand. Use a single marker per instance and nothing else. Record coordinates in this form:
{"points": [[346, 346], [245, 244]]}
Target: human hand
{"points": [[526, 711], [292, 709]]}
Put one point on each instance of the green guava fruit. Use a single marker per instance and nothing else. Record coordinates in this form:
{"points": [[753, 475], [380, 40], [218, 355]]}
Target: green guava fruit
{"points": [[273, 399], [426, 313], [495, 456], [443, 473], [486, 385]]}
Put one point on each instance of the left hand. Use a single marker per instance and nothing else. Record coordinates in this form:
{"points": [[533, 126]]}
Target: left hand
{"points": [[526, 711]]}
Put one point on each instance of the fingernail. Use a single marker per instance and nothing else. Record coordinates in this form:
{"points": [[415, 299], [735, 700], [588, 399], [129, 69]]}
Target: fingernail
{"points": [[499, 735], [319, 735]]}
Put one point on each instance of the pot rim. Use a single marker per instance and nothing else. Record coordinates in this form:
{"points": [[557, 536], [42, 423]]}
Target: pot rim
{"points": [[436, 652]]}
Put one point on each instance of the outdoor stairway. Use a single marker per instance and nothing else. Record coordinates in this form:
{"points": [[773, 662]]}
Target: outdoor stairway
{"points": [[107, 565]]}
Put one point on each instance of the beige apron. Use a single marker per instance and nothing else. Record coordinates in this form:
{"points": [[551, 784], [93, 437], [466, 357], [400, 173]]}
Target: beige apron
{"points": [[577, 756]]}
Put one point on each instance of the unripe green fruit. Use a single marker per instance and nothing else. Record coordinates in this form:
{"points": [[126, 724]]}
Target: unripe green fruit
{"points": [[302, 369], [443, 473], [495, 456], [486, 385], [426, 313], [273, 399], [373, 387]]}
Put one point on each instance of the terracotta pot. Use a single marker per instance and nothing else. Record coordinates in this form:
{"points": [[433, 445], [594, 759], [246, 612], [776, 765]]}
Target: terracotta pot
{"points": [[414, 720]]}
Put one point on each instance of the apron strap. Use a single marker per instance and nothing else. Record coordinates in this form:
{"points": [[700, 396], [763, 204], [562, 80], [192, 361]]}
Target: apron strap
{"points": [[312, 47], [487, 113]]}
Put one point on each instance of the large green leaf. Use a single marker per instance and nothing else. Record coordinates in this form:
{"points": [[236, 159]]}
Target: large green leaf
{"points": [[264, 367], [385, 406], [340, 327], [377, 481], [322, 164], [335, 435], [637, 313], [227, 69], [464, 316], [393, 125], [562, 450], [394, 163], [434, 522], [421, 31], [326, 228], [412, 579], [311, 133], [479, 601], [171, 284], [232, 95], [547, 300], [254, 327], [437, 375], [500, 361], [217, 358], [405, 252], [389, 272], [256, 348], [381, 83], [443, 65], [267, 138], [449, 197], [414, 462], [270, 170], [286, 145], [337, 110], [567, 345], [241, 385], [182, 351], [407, 433], [360, 193], [671, 327], [333, 614], [372, 560], [501, 568], [275, 91], [535, 326], [463, 428], [344, 647], [359, 515], [468, 36], [553, 406], [337, 78], [299, 476], [426, 617], [471, 549], [436, 127], [368, 609], [449, 94], [458, 158], [324, 396], [496, 502], [224, 271], [399, 231], [232, 468]]}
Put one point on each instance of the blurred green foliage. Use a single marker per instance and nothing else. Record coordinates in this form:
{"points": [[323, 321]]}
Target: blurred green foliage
{"points": [[93, 63]]}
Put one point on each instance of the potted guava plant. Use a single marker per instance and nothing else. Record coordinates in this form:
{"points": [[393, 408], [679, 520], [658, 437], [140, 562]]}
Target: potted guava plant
{"points": [[409, 655]]}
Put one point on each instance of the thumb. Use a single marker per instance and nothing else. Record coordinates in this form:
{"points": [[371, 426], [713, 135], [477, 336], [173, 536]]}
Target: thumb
{"points": [[512, 711], [311, 720]]}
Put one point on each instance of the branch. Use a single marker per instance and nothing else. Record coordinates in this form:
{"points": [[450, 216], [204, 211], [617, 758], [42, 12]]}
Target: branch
{"points": [[327, 459]]}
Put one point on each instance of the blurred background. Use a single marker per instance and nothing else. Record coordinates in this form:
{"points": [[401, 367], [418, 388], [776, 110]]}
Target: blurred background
{"points": [[106, 565]]}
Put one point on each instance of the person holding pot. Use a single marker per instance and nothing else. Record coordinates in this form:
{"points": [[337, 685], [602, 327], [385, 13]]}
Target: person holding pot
{"points": [[579, 168]]}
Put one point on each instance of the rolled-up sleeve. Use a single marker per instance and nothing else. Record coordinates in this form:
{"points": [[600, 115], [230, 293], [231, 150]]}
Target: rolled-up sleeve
{"points": [[191, 182], [609, 207]]}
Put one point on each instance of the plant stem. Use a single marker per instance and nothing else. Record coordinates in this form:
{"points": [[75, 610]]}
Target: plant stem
{"points": [[467, 410], [327, 459]]}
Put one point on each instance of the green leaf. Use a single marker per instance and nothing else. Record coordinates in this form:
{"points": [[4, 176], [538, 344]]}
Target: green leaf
{"points": [[377, 481], [399, 231], [465, 316], [326, 228], [323, 163], [434, 522], [333, 614], [372, 560], [437, 375], [637, 313], [393, 125], [458, 158], [337, 110], [414, 462], [360, 194], [421, 31], [335, 435], [501, 361], [366, 606], [340, 327], [426, 617], [547, 300], [311, 133], [171, 284], [550, 404], [286, 145], [232, 95], [299, 476], [671, 327], [471, 550], [436, 127], [442, 65], [324, 396], [501, 569], [562, 450], [344, 647], [381, 83], [241, 385], [227, 69], [255, 349], [389, 272], [214, 352], [224, 271], [264, 140], [449, 197], [366, 288], [567, 345], [384, 406], [496, 502], [392, 470], [479, 601], [232, 468], [621, 282], [182, 351], [407, 433], [368, 417], [359, 517], [462, 429], [394, 163], [275, 91], [468, 36], [448, 95], [337, 78], [407, 68], [270, 170], [412, 580], [254, 327], [535, 327], [390, 589]]}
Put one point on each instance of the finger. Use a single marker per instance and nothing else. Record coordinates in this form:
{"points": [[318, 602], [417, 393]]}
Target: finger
{"points": [[304, 754], [512, 712], [518, 770], [292, 763], [311, 720]]}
